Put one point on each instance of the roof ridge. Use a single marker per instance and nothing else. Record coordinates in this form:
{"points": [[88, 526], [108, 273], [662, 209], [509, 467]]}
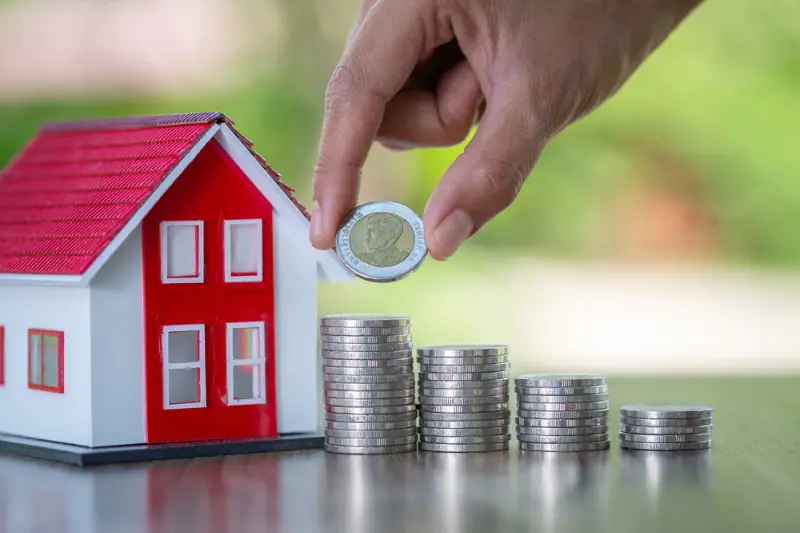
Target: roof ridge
{"points": [[144, 121]]}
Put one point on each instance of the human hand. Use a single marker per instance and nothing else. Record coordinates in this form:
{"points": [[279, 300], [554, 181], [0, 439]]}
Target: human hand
{"points": [[418, 72]]}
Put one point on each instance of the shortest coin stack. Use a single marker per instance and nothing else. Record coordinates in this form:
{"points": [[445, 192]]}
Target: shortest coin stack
{"points": [[367, 372], [463, 397], [665, 427], [562, 412]]}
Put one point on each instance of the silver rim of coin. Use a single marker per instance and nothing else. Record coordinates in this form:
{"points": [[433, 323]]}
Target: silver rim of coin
{"points": [[561, 432], [365, 347], [485, 439], [462, 393], [597, 413], [560, 380], [392, 441], [665, 430], [366, 356], [561, 391], [561, 422], [365, 339], [371, 434], [366, 321], [463, 432], [488, 360], [575, 447], [584, 406], [665, 446], [368, 363], [463, 448], [462, 376], [575, 398], [370, 450], [562, 439], [463, 369], [364, 332], [389, 410], [367, 371], [667, 410], [367, 395], [412, 261], [637, 437], [452, 409], [462, 350], [395, 378], [666, 422], [469, 400], [407, 383], [369, 402], [371, 426], [370, 418], [424, 416], [468, 386]]}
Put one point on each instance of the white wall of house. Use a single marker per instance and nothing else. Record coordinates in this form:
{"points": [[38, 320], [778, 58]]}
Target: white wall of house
{"points": [[38, 414], [118, 375]]}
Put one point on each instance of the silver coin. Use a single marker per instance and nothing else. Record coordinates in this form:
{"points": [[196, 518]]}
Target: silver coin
{"points": [[461, 350], [425, 416], [365, 339], [666, 410], [596, 413], [578, 406], [561, 391], [560, 380], [374, 434], [471, 384], [486, 439], [557, 432], [471, 376], [425, 408], [487, 360], [359, 332], [395, 354], [407, 383], [366, 321], [369, 363], [463, 432], [665, 446], [371, 450], [367, 395], [575, 447], [462, 393], [530, 398], [366, 371], [562, 439], [370, 419], [464, 424], [388, 410], [634, 437], [362, 347], [369, 402], [394, 441], [666, 422], [391, 378], [463, 369], [371, 426], [474, 400], [382, 241], [561, 422], [662, 430], [463, 448]]}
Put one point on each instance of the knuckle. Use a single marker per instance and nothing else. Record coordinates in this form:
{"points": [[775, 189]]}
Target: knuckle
{"points": [[500, 177], [344, 83]]}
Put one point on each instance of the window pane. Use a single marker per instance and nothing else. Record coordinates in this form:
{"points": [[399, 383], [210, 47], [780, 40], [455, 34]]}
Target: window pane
{"points": [[36, 359], [244, 248], [184, 346], [245, 382], [184, 386], [51, 369], [182, 251], [246, 343]]}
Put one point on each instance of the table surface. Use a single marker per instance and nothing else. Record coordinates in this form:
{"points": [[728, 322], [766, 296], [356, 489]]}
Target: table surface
{"points": [[749, 481]]}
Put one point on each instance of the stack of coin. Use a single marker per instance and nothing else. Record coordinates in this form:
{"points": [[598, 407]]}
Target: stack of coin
{"points": [[367, 372], [463, 398], [665, 427], [562, 412]]}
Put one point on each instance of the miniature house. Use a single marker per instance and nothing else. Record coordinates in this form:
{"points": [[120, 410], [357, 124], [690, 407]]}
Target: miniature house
{"points": [[157, 285]]}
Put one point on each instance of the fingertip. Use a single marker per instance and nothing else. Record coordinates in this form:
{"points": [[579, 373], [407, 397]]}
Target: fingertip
{"points": [[320, 236], [447, 237]]}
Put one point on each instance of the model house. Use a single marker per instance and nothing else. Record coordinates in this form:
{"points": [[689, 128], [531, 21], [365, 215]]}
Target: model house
{"points": [[157, 285]]}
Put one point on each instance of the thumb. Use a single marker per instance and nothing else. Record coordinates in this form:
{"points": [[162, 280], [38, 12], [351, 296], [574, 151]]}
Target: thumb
{"points": [[487, 177]]}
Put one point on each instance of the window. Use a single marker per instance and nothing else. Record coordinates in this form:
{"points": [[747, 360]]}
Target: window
{"points": [[244, 251], [184, 352], [246, 346], [2, 355], [46, 360], [182, 252]]}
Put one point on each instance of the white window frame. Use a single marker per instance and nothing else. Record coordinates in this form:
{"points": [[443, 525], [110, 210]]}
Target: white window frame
{"points": [[199, 252], [259, 275], [200, 364], [260, 362]]}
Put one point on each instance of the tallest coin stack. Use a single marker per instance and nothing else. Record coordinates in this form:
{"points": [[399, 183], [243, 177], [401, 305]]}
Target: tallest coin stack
{"points": [[367, 371]]}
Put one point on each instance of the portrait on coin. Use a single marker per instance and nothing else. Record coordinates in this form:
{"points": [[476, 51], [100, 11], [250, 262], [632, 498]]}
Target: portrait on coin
{"points": [[382, 239]]}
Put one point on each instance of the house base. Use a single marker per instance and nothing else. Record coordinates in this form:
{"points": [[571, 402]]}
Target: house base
{"points": [[84, 456]]}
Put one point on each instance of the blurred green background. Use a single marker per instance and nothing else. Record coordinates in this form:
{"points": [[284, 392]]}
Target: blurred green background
{"points": [[694, 163]]}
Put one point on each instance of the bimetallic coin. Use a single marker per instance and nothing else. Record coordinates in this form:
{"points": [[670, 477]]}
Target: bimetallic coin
{"points": [[394, 441], [369, 386], [575, 447], [462, 350], [395, 354], [470, 384], [462, 369], [366, 321], [370, 419], [425, 408], [463, 448], [666, 410], [633, 437], [597, 413], [365, 339], [475, 376], [665, 430], [382, 241], [561, 391], [582, 406], [561, 422], [359, 332], [666, 422], [375, 434], [559, 380], [366, 395], [463, 432], [556, 432], [474, 400], [392, 378], [486, 439], [389, 410], [531, 398], [369, 363], [462, 393], [371, 426], [369, 402], [362, 347], [366, 371], [371, 450], [562, 439], [425, 416], [487, 360], [665, 446]]}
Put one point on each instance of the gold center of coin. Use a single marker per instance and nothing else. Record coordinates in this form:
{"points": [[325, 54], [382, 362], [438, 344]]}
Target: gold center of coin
{"points": [[382, 239]]}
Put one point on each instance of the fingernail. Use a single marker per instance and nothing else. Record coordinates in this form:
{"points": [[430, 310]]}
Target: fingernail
{"points": [[451, 232], [316, 222]]}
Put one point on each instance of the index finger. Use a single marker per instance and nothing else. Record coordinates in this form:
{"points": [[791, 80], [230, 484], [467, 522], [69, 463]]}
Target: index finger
{"points": [[376, 65]]}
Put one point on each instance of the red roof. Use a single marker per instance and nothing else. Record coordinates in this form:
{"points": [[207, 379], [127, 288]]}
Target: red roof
{"points": [[76, 185]]}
